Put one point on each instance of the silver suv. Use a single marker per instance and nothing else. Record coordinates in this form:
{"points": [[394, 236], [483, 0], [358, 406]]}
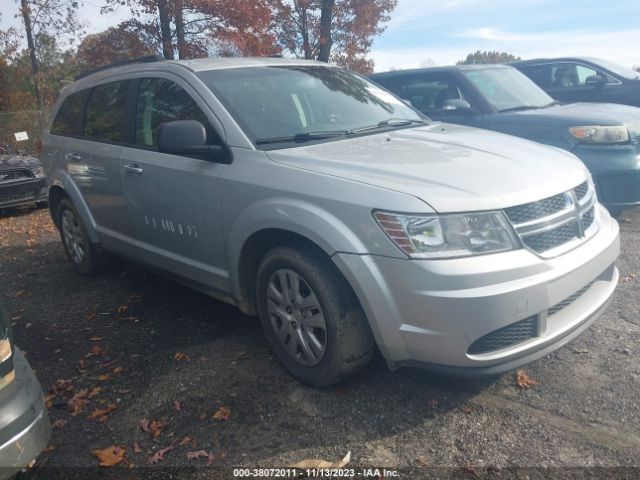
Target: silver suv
{"points": [[345, 219]]}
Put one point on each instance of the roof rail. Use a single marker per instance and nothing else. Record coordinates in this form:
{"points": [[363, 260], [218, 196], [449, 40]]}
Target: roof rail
{"points": [[146, 59]]}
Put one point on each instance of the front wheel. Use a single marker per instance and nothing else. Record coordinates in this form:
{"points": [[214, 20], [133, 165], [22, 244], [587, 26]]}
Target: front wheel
{"points": [[311, 317]]}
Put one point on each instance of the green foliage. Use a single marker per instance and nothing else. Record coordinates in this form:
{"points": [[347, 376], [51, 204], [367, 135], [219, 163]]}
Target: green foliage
{"points": [[488, 57]]}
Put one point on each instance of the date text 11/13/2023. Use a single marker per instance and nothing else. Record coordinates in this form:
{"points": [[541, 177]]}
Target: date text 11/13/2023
{"points": [[336, 473]]}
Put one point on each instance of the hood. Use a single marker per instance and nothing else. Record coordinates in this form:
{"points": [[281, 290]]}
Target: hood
{"points": [[583, 114], [17, 161], [450, 167]]}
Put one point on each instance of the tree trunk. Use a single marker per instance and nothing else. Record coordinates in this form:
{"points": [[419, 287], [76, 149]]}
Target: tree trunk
{"points": [[326, 18], [182, 44], [26, 15], [165, 30]]}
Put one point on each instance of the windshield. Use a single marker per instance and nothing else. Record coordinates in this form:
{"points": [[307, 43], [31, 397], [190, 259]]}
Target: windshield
{"points": [[508, 89], [302, 103], [617, 69]]}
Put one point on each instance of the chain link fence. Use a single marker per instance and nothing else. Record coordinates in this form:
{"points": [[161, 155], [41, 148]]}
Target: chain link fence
{"points": [[13, 126]]}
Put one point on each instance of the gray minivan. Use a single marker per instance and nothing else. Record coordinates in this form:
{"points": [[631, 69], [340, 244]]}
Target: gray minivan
{"points": [[344, 218]]}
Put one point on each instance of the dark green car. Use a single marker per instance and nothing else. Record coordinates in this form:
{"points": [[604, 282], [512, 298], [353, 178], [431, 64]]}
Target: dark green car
{"points": [[24, 423], [605, 136]]}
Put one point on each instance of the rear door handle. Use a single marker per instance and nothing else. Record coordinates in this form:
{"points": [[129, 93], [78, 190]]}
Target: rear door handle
{"points": [[133, 169], [72, 156]]}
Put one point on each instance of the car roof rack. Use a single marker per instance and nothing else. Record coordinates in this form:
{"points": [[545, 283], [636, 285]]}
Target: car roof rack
{"points": [[145, 59]]}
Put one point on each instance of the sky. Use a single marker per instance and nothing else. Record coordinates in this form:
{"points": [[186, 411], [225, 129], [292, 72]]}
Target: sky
{"points": [[441, 32]]}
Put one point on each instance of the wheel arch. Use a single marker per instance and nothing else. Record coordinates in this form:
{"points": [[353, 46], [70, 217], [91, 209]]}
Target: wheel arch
{"points": [[62, 186]]}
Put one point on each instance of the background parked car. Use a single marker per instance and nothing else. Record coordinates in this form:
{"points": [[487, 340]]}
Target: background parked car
{"points": [[22, 179], [606, 137], [24, 422], [584, 79]]}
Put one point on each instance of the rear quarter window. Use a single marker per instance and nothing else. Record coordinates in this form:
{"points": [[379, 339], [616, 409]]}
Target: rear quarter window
{"points": [[70, 115], [104, 119]]}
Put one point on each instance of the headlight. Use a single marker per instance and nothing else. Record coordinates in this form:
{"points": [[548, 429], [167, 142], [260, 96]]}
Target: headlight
{"points": [[617, 134], [38, 172], [446, 236]]}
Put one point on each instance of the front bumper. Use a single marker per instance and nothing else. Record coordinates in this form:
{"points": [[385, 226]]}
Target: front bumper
{"points": [[430, 312], [20, 193], [24, 423], [616, 172]]}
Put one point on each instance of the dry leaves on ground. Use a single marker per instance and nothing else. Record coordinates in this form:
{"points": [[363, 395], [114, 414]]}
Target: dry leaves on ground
{"points": [[59, 423], [101, 414], [223, 413], [110, 456], [95, 391], [312, 463], [96, 350], [154, 427], [159, 455], [198, 454], [78, 402], [523, 380], [117, 370], [179, 356]]}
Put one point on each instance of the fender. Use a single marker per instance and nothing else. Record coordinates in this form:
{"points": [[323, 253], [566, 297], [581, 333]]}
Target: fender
{"points": [[62, 179], [296, 216]]}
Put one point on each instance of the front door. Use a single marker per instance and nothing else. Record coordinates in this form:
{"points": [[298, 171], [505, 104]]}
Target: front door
{"points": [[173, 201]]}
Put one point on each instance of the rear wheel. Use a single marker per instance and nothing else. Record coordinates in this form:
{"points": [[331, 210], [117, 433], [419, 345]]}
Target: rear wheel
{"points": [[85, 257], [311, 317]]}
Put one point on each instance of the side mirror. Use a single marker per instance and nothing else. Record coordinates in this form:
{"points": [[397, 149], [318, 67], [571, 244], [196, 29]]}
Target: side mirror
{"points": [[594, 81], [456, 105], [189, 137]]}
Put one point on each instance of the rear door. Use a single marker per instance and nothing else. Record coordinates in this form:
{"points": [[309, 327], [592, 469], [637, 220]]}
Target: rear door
{"points": [[172, 200], [93, 160], [569, 83]]}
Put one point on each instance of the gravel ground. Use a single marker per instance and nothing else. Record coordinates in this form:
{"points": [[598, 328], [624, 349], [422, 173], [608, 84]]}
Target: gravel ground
{"points": [[162, 352]]}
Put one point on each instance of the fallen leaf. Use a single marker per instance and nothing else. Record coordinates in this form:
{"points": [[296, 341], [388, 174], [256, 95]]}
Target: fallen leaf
{"points": [[156, 427], [123, 309], [136, 447], [90, 316], [48, 401], [103, 377], [159, 455], [523, 380], [177, 405], [421, 462], [61, 386], [467, 410], [78, 402], [223, 413], [185, 441], [198, 454], [179, 356], [144, 425], [50, 448], [19, 293], [95, 339], [117, 370], [96, 350], [59, 423], [101, 414], [312, 463], [110, 456], [94, 392], [210, 458]]}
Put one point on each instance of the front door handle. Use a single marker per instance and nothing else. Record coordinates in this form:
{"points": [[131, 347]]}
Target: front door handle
{"points": [[133, 169], [73, 157]]}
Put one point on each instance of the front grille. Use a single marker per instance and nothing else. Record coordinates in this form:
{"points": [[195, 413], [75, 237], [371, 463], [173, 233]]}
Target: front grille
{"points": [[588, 218], [581, 190], [506, 336], [541, 242], [13, 197], [7, 176], [556, 224], [534, 210]]}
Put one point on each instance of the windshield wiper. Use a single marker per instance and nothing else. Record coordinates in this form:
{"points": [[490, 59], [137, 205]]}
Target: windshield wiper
{"points": [[524, 107], [391, 122], [302, 137]]}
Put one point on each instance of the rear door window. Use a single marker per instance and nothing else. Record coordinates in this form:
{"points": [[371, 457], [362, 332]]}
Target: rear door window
{"points": [[70, 115], [159, 101], [104, 119]]}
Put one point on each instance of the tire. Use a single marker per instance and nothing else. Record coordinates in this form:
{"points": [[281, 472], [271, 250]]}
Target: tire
{"points": [[322, 337], [85, 257]]}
